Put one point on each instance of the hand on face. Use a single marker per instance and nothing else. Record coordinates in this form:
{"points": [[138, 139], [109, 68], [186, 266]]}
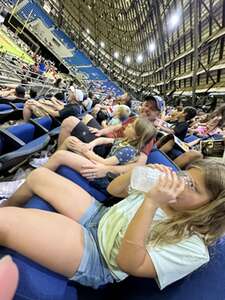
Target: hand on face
{"points": [[166, 189]]}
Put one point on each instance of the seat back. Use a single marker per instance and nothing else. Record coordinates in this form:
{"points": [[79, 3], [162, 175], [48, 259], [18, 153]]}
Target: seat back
{"points": [[158, 157], [25, 132]]}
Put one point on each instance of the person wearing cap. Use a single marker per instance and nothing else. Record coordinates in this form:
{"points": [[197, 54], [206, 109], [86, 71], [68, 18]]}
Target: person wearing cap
{"points": [[88, 130], [13, 94], [78, 93], [54, 108]]}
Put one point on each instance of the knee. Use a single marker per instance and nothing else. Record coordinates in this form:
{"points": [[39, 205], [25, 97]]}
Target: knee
{"points": [[194, 155], [69, 123], [59, 155], [34, 176]]}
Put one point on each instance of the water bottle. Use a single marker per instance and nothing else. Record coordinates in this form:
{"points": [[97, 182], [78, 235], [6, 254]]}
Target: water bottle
{"points": [[143, 178]]}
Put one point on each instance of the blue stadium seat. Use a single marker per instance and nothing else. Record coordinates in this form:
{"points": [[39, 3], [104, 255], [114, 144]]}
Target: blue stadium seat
{"points": [[36, 12], [94, 73], [79, 59], [62, 36], [51, 125], [6, 112], [191, 138], [18, 142], [81, 181], [158, 157]]}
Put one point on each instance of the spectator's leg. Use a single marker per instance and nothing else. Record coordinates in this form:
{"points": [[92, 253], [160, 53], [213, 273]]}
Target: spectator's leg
{"points": [[50, 239], [67, 158], [66, 128], [167, 147], [27, 112], [64, 195], [187, 158]]}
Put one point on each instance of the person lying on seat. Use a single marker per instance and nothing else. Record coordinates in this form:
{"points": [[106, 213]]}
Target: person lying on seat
{"points": [[14, 94], [122, 151], [162, 234], [89, 129], [54, 107]]}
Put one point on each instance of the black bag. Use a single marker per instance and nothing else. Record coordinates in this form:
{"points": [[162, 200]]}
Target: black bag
{"points": [[212, 147]]}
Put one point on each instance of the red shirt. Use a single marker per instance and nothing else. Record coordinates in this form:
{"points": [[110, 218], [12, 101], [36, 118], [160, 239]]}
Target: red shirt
{"points": [[120, 134]]}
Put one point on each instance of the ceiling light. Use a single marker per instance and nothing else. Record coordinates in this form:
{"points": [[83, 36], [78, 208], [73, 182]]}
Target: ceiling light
{"points": [[152, 47], [116, 55], [88, 30], [174, 19], [102, 44], [127, 59], [139, 58]]}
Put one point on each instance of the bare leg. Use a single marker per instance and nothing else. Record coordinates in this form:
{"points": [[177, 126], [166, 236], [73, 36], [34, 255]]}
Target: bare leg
{"points": [[66, 158], [65, 196], [87, 118], [67, 127], [167, 147], [27, 112], [50, 239], [187, 158]]}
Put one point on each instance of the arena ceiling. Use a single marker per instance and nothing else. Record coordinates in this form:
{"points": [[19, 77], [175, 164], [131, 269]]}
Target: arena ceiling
{"points": [[146, 44]]}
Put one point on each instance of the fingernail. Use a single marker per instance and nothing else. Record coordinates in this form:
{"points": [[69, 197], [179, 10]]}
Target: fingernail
{"points": [[5, 259]]}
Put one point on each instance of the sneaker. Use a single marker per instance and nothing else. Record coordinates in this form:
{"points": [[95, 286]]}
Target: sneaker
{"points": [[8, 188], [38, 162]]}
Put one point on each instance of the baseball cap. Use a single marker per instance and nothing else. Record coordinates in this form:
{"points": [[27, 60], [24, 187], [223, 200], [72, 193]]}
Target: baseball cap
{"points": [[160, 103], [20, 91]]}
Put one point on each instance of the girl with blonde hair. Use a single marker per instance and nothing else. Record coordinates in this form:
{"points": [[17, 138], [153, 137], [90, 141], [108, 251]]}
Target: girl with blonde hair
{"points": [[162, 234]]}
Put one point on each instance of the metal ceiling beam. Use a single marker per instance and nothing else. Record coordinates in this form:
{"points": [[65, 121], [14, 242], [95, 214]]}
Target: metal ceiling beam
{"points": [[161, 42], [196, 51]]}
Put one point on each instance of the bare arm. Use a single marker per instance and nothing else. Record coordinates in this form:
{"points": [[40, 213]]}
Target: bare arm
{"points": [[49, 110], [108, 130], [141, 161], [119, 186], [101, 170], [113, 160], [133, 257], [101, 141]]}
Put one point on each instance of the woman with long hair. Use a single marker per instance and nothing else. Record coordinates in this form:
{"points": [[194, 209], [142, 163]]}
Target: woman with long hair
{"points": [[162, 234]]}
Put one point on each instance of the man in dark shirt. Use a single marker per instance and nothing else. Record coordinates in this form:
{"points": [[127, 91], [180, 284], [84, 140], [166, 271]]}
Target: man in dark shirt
{"points": [[179, 129]]}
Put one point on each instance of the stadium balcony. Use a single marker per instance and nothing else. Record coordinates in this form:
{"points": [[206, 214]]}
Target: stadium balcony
{"points": [[37, 12], [64, 38], [94, 73], [110, 86], [79, 59]]}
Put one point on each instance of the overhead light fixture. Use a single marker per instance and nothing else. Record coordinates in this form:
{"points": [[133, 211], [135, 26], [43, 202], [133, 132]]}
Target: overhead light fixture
{"points": [[116, 55], [152, 47], [88, 30], [127, 59], [174, 19], [140, 58], [102, 44]]}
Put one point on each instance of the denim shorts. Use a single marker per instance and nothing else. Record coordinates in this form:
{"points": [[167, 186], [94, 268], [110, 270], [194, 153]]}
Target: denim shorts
{"points": [[93, 270]]}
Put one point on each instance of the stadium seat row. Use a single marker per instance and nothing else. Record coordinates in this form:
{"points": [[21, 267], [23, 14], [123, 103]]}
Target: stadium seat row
{"points": [[37, 282], [19, 142]]}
